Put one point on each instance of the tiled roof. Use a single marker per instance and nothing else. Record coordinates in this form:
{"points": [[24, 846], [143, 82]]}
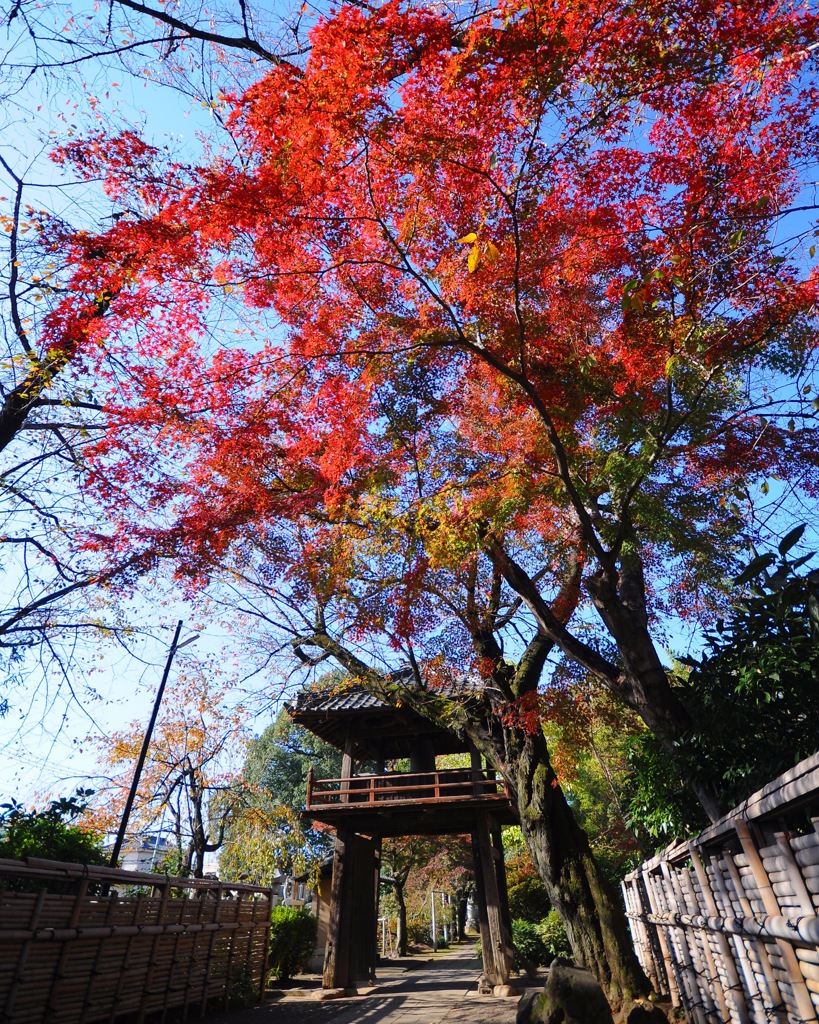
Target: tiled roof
{"points": [[353, 696]]}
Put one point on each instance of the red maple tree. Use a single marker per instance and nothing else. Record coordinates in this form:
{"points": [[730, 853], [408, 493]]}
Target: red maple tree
{"points": [[530, 320]]}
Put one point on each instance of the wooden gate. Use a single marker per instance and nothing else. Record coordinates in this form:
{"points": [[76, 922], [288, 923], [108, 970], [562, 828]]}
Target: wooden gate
{"points": [[727, 923], [74, 949]]}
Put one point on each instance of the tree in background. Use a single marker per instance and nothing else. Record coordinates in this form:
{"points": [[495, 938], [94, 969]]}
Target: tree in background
{"points": [[277, 764], [268, 836], [262, 841], [191, 785], [591, 736], [412, 867]]}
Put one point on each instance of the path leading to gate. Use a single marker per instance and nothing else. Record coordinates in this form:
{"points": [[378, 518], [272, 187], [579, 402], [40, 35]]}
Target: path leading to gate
{"points": [[418, 991]]}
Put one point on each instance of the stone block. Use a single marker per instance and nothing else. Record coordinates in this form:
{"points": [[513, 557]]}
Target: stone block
{"points": [[570, 996]]}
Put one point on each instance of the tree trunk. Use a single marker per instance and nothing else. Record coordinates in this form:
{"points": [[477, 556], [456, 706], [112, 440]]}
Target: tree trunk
{"points": [[463, 906], [401, 938], [591, 910]]}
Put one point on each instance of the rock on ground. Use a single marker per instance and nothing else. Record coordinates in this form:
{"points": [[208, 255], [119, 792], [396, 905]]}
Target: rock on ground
{"points": [[570, 996]]}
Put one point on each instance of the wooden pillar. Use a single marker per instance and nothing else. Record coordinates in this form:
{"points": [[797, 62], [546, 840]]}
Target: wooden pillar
{"points": [[363, 911], [349, 959], [500, 943], [336, 956], [487, 951], [477, 770], [346, 770], [503, 891]]}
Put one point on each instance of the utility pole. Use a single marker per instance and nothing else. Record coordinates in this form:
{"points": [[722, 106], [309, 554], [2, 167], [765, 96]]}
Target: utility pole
{"points": [[146, 742]]}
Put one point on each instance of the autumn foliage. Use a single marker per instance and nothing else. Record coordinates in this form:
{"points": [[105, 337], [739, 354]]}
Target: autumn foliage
{"points": [[508, 292], [474, 345]]}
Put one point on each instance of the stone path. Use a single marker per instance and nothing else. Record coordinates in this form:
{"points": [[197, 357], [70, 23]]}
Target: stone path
{"points": [[444, 988]]}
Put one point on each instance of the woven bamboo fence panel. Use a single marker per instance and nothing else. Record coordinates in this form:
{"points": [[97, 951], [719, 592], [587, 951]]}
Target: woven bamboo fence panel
{"points": [[727, 924], [74, 951]]}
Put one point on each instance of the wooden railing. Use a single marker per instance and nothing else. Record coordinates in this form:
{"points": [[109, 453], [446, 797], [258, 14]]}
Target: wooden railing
{"points": [[453, 784], [74, 951], [727, 923]]}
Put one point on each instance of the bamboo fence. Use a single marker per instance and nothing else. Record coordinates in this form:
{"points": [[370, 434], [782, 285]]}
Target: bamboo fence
{"points": [[727, 924], [84, 953]]}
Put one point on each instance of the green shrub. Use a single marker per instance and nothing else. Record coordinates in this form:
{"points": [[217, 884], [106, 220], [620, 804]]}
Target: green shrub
{"points": [[528, 900], [292, 941], [50, 834], [553, 935], [418, 933], [529, 945], [539, 943]]}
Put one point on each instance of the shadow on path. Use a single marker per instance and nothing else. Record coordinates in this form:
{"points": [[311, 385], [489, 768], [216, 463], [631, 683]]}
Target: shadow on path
{"points": [[443, 989]]}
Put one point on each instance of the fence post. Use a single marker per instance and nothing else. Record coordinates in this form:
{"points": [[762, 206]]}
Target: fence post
{"points": [[804, 1002], [688, 973], [266, 951], [728, 965]]}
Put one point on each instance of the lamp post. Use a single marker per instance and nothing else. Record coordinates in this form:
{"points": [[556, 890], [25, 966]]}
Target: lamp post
{"points": [[146, 742]]}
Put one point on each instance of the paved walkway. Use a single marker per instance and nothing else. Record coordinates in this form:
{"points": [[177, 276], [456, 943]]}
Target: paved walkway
{"points": [[444, 988]]}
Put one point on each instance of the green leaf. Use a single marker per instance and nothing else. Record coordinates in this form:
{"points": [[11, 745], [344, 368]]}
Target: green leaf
{"points": [[813, 609], [791, 538], [754, 568]]}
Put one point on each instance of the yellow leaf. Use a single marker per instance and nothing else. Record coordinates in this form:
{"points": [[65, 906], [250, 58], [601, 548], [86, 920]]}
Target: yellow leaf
{"points": [[474, 259], [492, 253], [468, 239]]}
